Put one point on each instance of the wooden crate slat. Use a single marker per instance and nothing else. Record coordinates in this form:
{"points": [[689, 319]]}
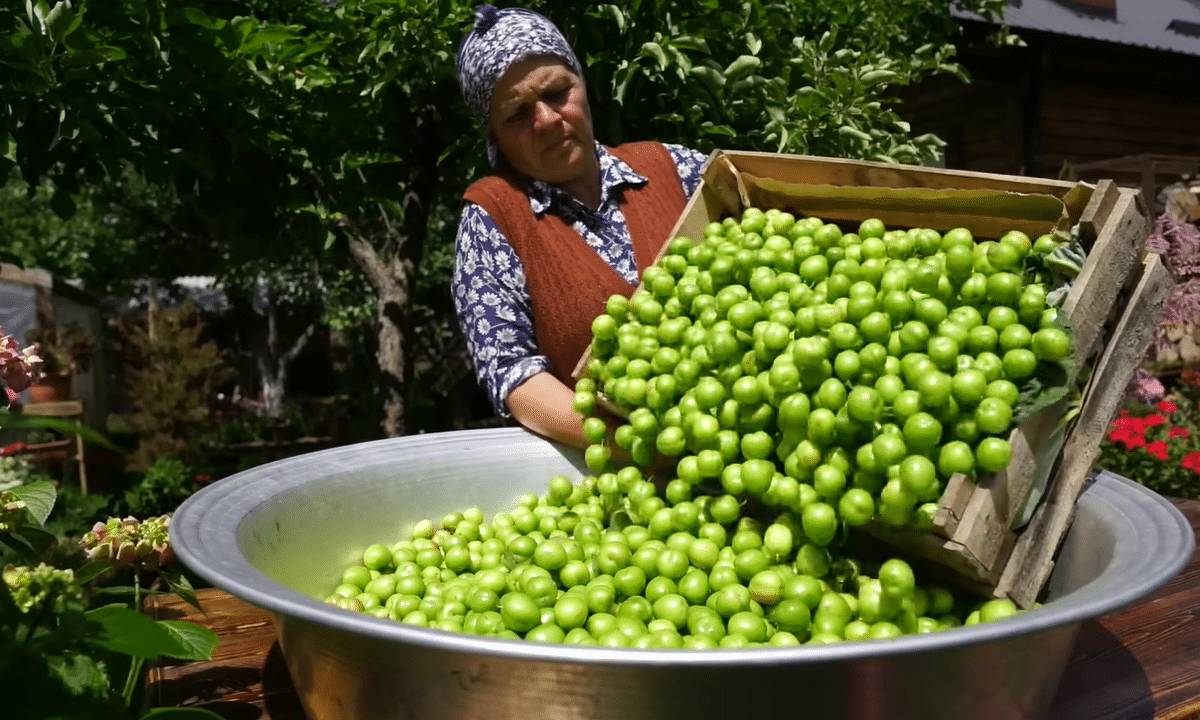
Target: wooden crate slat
{"points": [[1028, 443], [1032, 559], [1099, 209], [953, 504], [983, 528], [1115, 254], [984, 525]]}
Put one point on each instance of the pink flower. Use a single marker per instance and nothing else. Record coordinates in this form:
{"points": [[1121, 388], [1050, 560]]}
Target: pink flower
{"points": [[19, 368], [1146, 388]]}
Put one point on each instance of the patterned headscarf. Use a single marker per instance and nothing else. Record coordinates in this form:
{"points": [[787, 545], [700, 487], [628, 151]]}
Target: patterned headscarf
{"points": [[499, 40]]}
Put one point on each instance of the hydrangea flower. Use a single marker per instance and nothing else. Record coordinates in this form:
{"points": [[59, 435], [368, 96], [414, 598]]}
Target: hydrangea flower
{"points": [[19, 367], [129, 541], [32, 588]]}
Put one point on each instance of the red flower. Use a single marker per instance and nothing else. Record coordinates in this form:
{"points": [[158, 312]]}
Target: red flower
{"points": [[1191, 461], [13, 449], [1177, 432], [1192, 377], [1166, 406], [1154, 420], [1157, 449]]}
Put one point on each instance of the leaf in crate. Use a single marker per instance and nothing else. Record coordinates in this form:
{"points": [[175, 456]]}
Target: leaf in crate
{"points": [[1044, 463], [38, 498], [123, 630], [182, 587], [1052, 382], [198, 640]]}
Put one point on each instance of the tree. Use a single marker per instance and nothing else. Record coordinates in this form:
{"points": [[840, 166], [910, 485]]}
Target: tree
{"points": [[317, 133]]}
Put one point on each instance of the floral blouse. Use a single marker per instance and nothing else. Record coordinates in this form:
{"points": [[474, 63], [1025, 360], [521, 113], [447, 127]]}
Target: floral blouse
{"points": [[490, 294]]}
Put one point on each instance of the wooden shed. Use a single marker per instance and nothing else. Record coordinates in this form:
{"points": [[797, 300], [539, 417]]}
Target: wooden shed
{"points": [[1097, 80]]}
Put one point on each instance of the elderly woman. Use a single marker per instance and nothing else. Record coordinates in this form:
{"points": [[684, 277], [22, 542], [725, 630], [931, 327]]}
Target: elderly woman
{"points": [[562, 224]]}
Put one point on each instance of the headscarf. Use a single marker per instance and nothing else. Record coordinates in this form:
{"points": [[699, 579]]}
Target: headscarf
{"points": [[499, 40]]}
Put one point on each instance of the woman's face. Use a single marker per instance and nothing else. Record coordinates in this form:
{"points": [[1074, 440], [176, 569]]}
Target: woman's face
{"points": [[541, 121]]}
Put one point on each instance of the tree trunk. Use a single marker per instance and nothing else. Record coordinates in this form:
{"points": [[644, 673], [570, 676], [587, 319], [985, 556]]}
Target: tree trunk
{"points": [[390, 266], [273, 364], [392, 280]]}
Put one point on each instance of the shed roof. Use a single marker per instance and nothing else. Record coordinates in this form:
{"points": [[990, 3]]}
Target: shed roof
{"points": [[1169, 25]]}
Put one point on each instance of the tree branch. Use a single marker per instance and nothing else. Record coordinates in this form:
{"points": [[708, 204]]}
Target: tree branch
{"points": [[297, 346]]}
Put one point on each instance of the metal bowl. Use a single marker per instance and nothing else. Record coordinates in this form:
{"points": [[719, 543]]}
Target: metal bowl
{"points": [[278, 535]]}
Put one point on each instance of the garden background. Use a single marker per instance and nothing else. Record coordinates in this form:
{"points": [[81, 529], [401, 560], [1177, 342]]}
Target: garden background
{"points": [[257, 202]]}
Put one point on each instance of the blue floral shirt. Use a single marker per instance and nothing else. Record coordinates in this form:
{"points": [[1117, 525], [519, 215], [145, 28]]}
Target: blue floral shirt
{"points": [[490, 294]]}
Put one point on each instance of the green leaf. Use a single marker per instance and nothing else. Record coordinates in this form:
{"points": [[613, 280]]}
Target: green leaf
{"points": [[123, 630], [753, 43], [1044, 464], [266, 36], [654, 50], [1052, 381], [38, 497], [181, 586], [180, 713], [615, 13], [690, 42], [711, 77], [878, 76], [91, 570], [740, 68], [196, 16], [850, 131], [60, 21], [79, 674], [36, 538], [66, 427], [198, 640]]}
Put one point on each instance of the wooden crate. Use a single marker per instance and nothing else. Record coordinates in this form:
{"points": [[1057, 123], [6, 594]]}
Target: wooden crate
{"points": [[1113, 306]]}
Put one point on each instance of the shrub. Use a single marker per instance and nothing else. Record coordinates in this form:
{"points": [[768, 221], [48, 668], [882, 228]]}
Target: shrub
{"points": [[1159, 445], [173, 379], [166, 483]]}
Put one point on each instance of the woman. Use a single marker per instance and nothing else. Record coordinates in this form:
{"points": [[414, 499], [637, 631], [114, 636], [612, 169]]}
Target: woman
{"points": [[564, 222]]}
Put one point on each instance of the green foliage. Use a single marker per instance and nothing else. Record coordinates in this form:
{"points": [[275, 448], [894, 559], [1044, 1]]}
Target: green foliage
{"points": [[165, 484], [812, 78], [61, 658], [327, 142], [172, 378]]}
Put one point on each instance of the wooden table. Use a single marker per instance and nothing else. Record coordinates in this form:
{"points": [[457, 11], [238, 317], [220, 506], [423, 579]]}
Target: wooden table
{"points": [[1139, 664]]}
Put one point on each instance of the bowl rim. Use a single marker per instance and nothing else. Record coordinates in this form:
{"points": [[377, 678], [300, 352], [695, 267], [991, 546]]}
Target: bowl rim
{"points": [[204, 537]]}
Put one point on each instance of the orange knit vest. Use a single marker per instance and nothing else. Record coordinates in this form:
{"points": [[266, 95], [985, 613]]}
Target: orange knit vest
{"points": [[568, 281]]}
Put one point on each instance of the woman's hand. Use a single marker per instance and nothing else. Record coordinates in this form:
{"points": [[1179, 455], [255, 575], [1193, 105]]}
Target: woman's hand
{"points": [[544, 405]]}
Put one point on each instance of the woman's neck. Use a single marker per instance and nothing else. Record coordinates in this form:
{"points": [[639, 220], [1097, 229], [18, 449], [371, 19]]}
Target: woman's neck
{"points": [[586, 189]]}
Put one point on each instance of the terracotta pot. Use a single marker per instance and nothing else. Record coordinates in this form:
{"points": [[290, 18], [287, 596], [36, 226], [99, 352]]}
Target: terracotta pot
{"points": [[51, 388]]}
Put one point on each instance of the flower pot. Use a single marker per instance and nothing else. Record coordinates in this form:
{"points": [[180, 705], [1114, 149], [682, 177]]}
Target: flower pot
{"points": [[55, 387]]}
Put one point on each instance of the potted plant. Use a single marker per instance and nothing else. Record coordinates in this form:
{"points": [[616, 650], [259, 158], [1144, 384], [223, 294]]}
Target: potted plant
{"points": [[64, 352]]}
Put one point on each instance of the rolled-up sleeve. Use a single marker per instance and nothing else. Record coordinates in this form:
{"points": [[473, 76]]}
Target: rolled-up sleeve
{"points": [[494, 311]]}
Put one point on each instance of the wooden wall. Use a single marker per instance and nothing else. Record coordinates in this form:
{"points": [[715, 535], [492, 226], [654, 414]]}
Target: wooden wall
{"points": [[1061, 100]]}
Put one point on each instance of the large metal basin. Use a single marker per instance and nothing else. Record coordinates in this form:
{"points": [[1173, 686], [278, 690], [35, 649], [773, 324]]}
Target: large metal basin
{"points": [[278, 535]]}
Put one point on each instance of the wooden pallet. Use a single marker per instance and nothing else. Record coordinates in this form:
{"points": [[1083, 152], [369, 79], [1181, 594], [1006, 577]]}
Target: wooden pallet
{"points": [[1113, 307]]}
